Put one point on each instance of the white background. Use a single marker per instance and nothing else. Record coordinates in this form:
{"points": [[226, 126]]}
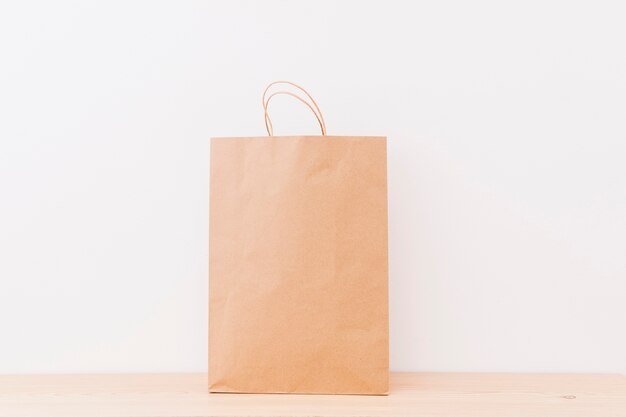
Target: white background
{"points": [[507, 171]]}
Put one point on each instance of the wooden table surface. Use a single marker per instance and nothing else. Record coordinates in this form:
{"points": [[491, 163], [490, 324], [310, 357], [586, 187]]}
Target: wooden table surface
{"points": [[411, 394]]}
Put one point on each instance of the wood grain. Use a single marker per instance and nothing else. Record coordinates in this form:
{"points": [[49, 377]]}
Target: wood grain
{"points": [[412, 394]]}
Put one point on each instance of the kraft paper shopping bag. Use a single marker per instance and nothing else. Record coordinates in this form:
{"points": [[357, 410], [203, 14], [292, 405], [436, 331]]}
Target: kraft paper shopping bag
{"points": [[298, 263]]}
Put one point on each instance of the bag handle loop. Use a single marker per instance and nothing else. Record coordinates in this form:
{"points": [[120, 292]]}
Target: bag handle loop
{"points": [[314, 108]]}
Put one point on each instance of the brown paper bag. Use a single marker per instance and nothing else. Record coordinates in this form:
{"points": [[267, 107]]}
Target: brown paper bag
{"points": [[298, 264]]}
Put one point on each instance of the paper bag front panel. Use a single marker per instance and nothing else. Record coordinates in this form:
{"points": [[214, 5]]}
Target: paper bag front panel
{"points": [[298, 265]]}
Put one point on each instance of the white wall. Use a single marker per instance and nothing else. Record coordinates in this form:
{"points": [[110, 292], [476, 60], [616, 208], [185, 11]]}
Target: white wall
{"points": [[507, 171]]}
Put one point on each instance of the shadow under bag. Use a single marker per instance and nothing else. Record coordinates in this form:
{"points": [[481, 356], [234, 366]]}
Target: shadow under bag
{"points": [[298, 297]]}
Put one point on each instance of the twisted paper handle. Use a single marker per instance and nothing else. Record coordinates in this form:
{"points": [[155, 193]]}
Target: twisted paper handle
{"points": [[314, 108]]}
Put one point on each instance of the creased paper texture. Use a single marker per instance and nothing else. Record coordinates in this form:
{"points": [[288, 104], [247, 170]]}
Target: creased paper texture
{"points": [[298, 298]]}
